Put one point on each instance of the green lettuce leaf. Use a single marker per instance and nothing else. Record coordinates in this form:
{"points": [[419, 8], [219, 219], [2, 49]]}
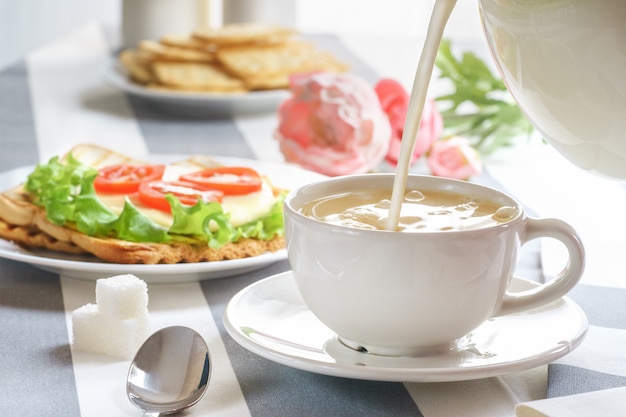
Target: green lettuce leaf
{"points": [[205, 221], [66, 191], [268, 226], [134, 226]]}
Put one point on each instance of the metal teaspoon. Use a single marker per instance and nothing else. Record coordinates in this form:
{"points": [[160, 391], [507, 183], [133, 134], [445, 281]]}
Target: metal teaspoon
{"points": [[170, 371]]}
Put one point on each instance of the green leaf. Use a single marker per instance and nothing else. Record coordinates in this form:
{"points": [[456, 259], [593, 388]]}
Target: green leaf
{"points": [[65, 190], [134, 226], [479, 106], [269, 226], [204, 221]]}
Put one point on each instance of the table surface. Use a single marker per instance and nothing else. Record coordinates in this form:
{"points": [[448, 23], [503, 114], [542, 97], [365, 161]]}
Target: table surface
{"points": [[55, 98]]}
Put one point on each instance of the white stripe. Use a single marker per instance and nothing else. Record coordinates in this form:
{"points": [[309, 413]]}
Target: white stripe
{"points": [[609, 402], [100, 380], [601, 351], [258, 132], [479, 398], [71, 103]]}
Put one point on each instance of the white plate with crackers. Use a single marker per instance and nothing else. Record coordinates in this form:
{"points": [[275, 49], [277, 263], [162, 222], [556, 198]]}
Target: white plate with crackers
{"points": [[89, 268], [235, 68], [246, 102]]}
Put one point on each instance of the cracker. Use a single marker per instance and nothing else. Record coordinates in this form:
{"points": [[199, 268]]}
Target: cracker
{"points": [[268, 82], [233, 58], [269, 66], [244, 33], [138, 65], [187, 41], [195, 76], [174, 53], [178, 89]]}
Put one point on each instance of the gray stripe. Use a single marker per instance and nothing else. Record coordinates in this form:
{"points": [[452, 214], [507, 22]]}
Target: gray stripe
{"points": [[173, 132], [31, 302], [609, 313], [17, 128], [579, 380], [604, 306], [33, 320], [275, 390]]}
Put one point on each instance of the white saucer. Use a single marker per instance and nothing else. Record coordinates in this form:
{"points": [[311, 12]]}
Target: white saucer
{"points": [[270, 319]]}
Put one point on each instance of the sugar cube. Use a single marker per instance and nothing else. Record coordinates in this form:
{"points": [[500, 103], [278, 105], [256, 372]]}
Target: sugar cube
{"points": [[122, 296], [118, 323], [85, 328]]}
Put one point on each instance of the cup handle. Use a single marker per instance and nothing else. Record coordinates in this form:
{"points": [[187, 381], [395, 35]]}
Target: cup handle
{"points": [[563, 282]]}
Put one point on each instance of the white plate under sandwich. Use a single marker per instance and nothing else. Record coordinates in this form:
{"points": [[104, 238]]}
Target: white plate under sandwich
{"points": [[91, 268]]}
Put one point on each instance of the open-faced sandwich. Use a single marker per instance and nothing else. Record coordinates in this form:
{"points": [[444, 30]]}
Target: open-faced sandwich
{"points": [[98, 201]]}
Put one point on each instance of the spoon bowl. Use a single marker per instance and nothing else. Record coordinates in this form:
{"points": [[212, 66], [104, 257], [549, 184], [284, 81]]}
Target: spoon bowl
{"points": [[170, 371]]}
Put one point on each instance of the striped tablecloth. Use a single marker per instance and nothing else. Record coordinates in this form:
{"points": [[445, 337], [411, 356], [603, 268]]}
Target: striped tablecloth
{"points": [[56, 98]]}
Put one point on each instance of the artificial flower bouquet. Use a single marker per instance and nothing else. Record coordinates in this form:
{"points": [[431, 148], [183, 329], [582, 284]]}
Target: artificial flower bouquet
{"points": [[338, 124]]}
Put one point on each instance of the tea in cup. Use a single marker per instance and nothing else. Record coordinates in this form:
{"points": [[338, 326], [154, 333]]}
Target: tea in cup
{"points": [[420, 288]]}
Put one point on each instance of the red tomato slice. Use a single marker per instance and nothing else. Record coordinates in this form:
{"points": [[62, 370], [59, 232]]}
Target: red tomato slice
{"points": [[153, 193], [230, 180], [125, 179]]}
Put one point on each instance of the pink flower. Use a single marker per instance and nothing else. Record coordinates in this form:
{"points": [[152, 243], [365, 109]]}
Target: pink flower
{"points": [[333, 124], [454, 158], [395, 102]]}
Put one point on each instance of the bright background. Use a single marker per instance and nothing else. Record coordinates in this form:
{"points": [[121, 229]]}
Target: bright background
{"points": [[26, 25]]}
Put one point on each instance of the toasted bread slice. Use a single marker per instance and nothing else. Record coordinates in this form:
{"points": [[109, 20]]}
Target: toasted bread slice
{"points": [[31, 236], [26, 224]]}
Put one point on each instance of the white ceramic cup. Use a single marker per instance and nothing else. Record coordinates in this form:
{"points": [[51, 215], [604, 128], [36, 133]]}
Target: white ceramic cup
{"points": [[411, 293]]}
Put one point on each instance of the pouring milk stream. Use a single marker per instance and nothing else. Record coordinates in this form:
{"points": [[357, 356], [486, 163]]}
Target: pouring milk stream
{"points": [[563, 62], [440, 15]]}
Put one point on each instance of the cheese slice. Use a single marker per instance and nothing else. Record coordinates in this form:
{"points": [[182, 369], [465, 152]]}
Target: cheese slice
{"points": [[242, 208]]}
